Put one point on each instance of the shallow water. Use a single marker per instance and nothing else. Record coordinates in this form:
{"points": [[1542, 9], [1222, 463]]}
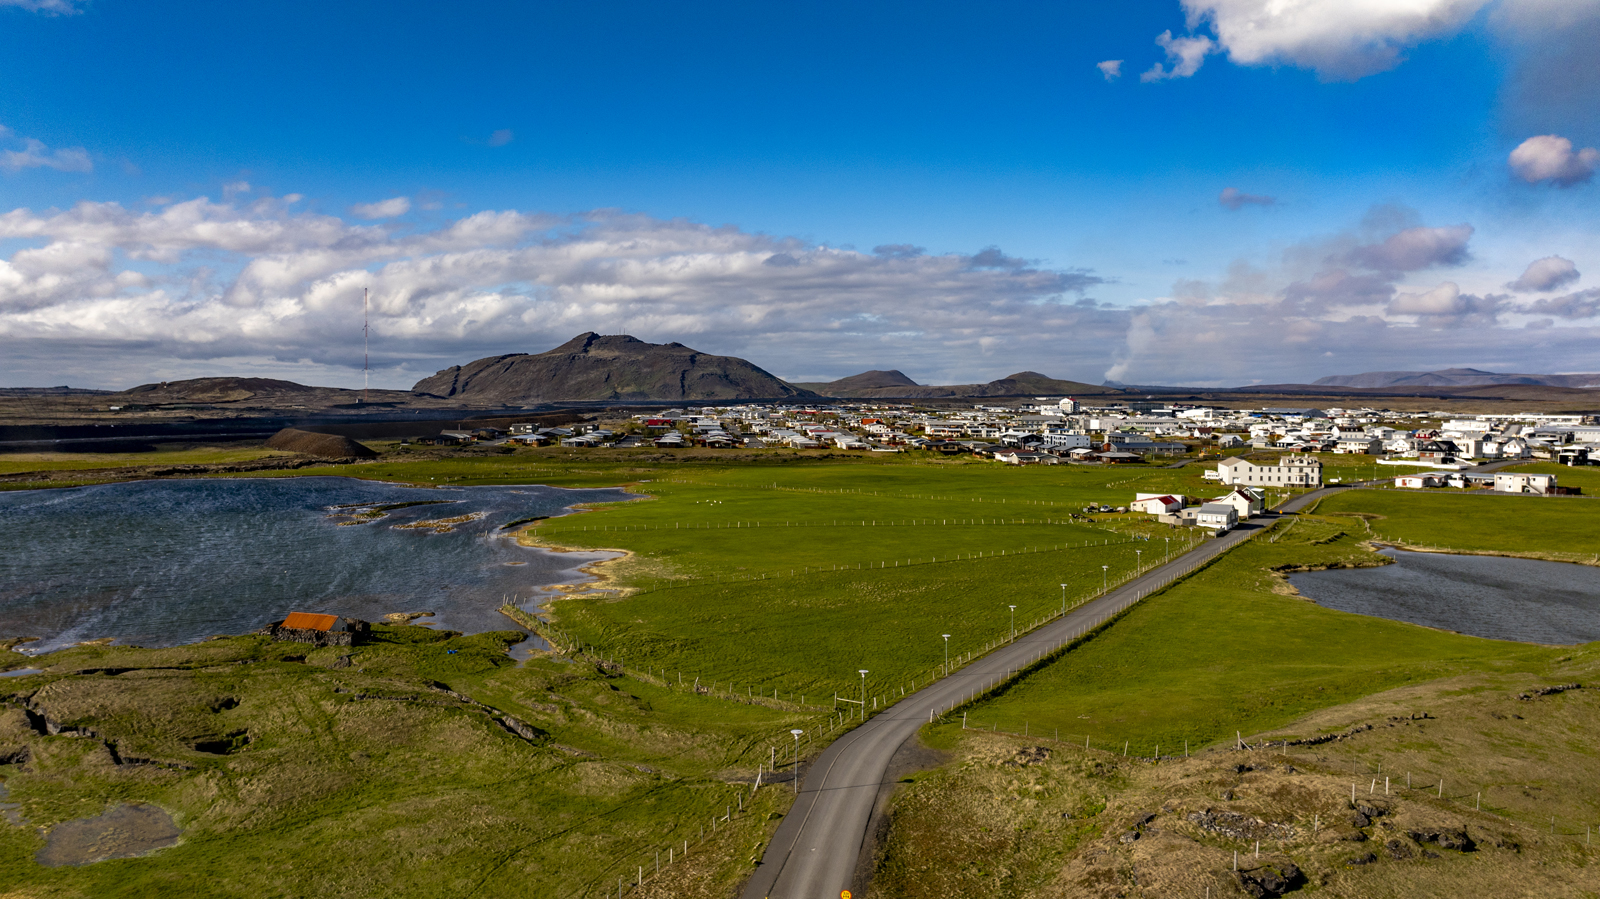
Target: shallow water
{"points": [[158, 563], [1485, 596]]}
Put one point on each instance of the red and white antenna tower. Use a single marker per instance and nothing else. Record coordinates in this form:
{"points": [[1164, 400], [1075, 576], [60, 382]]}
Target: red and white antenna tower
{"points": [[364, 345]]}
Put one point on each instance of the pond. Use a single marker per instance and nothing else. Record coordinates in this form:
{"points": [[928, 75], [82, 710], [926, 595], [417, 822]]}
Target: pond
{"points": [[157, 563], [1485, 596]]}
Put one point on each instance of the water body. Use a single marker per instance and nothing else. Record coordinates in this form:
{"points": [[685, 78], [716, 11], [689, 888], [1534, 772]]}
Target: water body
{"points": [[158, 563], [1485, 596]]}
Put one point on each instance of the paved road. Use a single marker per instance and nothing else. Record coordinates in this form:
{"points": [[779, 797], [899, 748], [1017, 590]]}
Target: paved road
{"points": [[814, 853]]}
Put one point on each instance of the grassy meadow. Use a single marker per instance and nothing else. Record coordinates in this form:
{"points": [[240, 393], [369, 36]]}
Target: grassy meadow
{"points": [[372, 779], [766, 576], [1553, 527]]}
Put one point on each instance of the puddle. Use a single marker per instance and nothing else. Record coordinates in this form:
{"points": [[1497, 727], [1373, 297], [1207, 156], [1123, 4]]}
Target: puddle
{"points": [[123, 832], [21, 672]]}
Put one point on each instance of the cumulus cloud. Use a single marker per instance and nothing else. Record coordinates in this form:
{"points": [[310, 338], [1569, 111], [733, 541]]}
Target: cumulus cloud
{"points": [[1234, 198], [1549, 157], [383, 209], [1185, 54], [1111, 69], [1416, 248], [18, 153], [1342, 40], [1549, 273], [1583, 304], [204, 280], [48, 7]]}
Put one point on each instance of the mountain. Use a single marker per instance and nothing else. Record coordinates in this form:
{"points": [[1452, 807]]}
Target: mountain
{"points": [[867, 380], [894, 385], [1454, 377], [617, 367]]}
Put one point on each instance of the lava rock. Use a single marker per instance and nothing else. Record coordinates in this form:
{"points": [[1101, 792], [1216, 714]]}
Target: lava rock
{"points": [[1270, 880]]}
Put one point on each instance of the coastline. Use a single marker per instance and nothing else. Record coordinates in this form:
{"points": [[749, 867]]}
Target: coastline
{"points": [[21, 644]]}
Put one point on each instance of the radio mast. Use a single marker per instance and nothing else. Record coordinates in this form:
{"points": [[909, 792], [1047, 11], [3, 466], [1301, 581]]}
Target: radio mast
{"points": [[363, 346]]}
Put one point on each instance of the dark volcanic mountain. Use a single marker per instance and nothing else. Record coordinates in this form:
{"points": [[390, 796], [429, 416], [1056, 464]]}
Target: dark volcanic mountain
{"points": [[878, 385], [867, 380], [618, 367], [1454, 377]]}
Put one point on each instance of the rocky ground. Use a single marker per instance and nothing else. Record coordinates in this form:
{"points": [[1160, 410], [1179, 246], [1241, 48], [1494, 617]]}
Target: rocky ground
{"points": [[1329, 813]]}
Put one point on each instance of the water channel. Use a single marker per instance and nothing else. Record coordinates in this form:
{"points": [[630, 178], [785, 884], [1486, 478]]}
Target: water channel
{"points": [[157, 563], [1485, 596]]}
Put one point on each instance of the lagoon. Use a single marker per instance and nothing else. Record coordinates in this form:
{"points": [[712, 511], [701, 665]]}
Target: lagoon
{"points": [[1485, 596], [157, 563]]}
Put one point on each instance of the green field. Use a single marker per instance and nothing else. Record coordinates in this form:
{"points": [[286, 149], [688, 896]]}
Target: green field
{"points": [[371, 780], [1552, 527], [1229, 650], [764, 574], [15, 463]]}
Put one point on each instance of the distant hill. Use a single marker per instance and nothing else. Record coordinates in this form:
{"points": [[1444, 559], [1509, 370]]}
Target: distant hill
{"points": [[867, 380], [616, 367], [1454, 377], [894, 385], [327, 446]]}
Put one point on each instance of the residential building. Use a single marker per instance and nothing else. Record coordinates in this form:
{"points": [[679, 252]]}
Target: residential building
{"points": [[1217, 516], [1291, 471], [1248, 502], [1158, 504], [1522, 482]]}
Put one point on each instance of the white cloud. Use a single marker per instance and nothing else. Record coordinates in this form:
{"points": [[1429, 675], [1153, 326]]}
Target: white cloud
{"points": [[501, 137], [33, 154], [1340, 39], [1186, 54], [383, 209], [201, 280], [1542, 275], [1416, 248], [1549, 157], [48, 7], [1234, 198], [1111, 69]]}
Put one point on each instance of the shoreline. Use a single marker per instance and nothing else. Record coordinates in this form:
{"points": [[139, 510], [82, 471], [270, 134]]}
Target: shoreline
{"points": [[593, 569]]}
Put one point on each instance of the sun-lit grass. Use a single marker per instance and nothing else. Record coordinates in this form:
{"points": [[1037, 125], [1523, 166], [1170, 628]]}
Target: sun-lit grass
{"points": [[16, 463], [1229, 650]]}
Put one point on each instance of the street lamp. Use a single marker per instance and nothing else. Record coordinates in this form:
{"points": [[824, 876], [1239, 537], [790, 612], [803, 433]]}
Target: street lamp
{"points": [[1103, 577], [1168, 554], [1013, 624], [1063, 599], [946, 654], [797, 732], [863, 693], [1138, 560]]}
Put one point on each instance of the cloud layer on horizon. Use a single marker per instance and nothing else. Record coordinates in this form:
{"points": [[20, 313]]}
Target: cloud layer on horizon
{"points": [[109, 295]]}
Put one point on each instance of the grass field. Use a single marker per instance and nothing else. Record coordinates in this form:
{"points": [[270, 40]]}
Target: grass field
{"points": [[1229, 650], [13, 463], [1550, 527], [372, 780], [770, 574]]}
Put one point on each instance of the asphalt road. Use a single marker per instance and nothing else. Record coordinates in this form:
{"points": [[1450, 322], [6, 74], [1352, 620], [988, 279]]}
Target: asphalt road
{"points": [[814, 853]]}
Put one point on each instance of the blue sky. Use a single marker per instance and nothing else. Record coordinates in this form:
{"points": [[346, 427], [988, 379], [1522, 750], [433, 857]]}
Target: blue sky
{"points": [[198, 188]]}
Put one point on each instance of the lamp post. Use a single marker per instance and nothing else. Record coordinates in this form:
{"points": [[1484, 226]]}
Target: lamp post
{"points": [[1063, 599], [1013, 624], [1169, 548], [797, 732], [946, 654], [1138, 560], [1103, 577], [863, 672]]}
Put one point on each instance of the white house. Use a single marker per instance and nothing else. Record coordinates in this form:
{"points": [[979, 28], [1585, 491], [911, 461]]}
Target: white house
{"points": [[1519, 482], [1420, 481], [1246, 501], [1217, 516], [1359, 444], [1153, 504], [1066, 440], [1229, 441], [1291, 471]]}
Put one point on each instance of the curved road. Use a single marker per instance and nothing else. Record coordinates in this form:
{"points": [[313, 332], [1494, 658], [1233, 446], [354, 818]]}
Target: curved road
{"points": [[814, 853]]}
